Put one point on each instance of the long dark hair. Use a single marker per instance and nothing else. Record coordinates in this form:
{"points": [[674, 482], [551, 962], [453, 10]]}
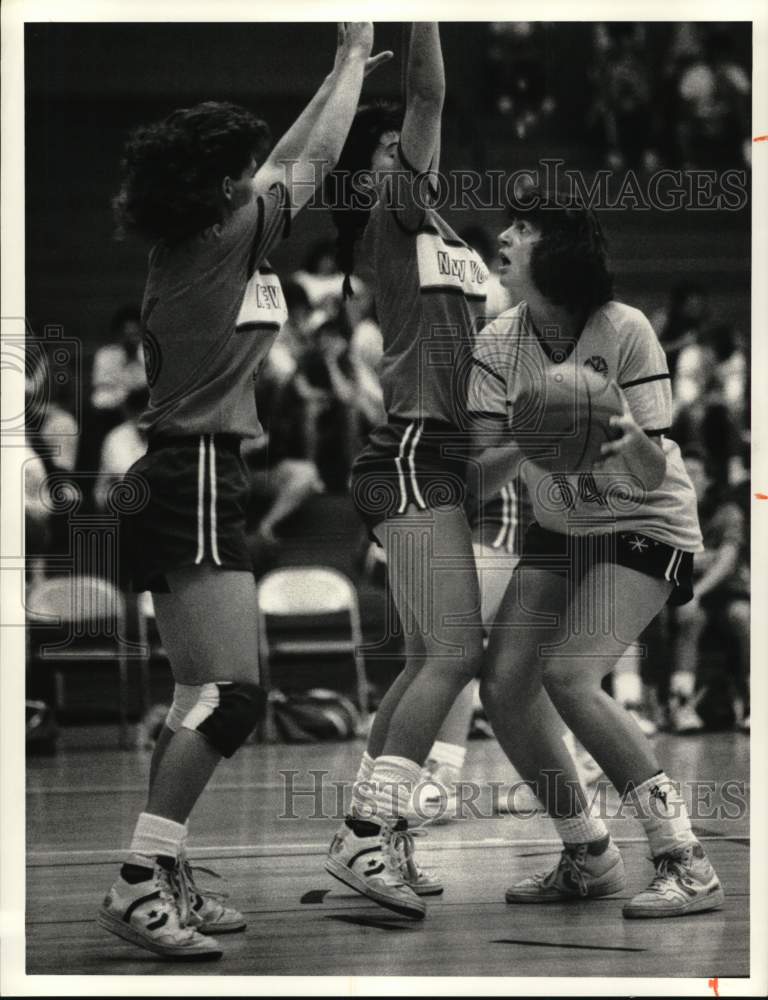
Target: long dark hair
{"points": [[349, 205], [569, 263], [172, 169]]}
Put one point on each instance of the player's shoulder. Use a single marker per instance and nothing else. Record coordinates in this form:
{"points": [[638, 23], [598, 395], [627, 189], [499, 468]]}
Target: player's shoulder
{"points": [[623, 316], [509, 323], [625, 321]]}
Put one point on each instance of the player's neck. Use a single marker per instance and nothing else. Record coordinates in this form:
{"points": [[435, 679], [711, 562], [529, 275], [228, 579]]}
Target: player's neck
{"points": [[556, 322]]}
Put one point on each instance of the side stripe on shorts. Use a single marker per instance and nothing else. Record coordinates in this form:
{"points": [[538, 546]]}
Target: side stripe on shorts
{"points": [[214, 526], [399, 467], [674, 565], [207, 450], [200, 502]]}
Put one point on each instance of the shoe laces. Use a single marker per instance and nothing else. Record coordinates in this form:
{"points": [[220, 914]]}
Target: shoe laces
{"points": [[173, 894], [391, 851], [572, 862], [187, 888], [402, 841], [189, 869], [669, 867]]}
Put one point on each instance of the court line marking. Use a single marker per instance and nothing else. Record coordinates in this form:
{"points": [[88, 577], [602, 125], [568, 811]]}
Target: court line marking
{"points": [[112, 790], [40, 859], [340, 903], [223, 787], [558, 944]]}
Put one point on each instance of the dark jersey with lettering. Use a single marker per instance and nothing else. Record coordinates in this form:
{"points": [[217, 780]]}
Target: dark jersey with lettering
{"points": [[429, 288], [212, 308]]}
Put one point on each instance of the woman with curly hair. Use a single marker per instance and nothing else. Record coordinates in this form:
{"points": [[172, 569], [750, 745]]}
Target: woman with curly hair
{"points": [[608, 549], [409, 482], [202, 188]]}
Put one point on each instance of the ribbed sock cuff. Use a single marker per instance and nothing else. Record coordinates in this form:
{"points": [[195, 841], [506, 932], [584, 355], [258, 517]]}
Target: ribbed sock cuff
{"points": [[156, 835], [394, 779], [580, 829], [448, 753], [661, 809]]}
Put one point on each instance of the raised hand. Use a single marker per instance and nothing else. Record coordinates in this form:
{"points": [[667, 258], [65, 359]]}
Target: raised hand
{"points": [[354, 37]]}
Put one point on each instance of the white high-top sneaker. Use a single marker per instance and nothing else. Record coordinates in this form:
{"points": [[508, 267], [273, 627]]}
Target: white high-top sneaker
{"points": [[147, 914], [364, 856]]}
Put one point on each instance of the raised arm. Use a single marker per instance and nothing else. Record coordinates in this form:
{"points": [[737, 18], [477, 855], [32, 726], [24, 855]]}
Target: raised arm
{"points": [[424, 96], [313, 144], [292, 144]]}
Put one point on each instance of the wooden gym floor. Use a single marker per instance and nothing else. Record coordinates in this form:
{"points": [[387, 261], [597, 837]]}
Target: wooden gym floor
{"points": [[82, 804]]}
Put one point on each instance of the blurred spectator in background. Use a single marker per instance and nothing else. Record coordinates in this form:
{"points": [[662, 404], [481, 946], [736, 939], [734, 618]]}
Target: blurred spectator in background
{"points": [[679, 323], [123, 445], [338, 406], [281, 473], [722, 587], [713, 112], [730, 381], [517, 74], [118, 366], [623, 102], [320, 276], [118, 369], [498, 299], [51, 425], [295, 335], [37, 515]]}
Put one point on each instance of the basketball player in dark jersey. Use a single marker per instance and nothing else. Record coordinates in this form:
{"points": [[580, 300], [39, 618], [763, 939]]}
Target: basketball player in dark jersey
{"points": [[607, 550], [199, 186], [408, 484]]}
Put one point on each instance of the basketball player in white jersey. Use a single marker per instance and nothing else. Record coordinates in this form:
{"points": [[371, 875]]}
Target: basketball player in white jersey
{"points": [[198, 185], [608, 549]]}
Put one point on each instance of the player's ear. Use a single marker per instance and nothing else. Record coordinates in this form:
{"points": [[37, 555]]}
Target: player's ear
{"points": [[227, 189]]}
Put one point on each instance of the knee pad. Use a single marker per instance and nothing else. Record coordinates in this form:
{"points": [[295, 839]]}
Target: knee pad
{"points": [[185, 697], [225, 714]]}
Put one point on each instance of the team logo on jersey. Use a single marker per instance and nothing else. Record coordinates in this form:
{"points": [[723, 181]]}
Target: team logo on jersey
{"points": [[597, 364]]}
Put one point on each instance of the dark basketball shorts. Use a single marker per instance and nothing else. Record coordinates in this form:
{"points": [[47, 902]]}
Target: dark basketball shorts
{"points": [[419, 462], [194, 492], [572, 555]]}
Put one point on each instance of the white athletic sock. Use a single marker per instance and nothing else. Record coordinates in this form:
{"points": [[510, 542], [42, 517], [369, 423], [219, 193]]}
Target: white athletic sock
{"points": [[627, 689], [156, 835], [448, 753], [362, 790], [683, 684], [394, 779], [580, 829], [661, 810]]}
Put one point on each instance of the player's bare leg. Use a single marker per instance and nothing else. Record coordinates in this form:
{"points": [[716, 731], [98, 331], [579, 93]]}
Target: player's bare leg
{"points": [[221, 694], [439, 607], [561, 672]]}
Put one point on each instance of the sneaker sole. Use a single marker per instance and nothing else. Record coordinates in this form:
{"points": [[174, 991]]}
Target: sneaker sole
{"points": [[700, 905], [427, 890], [616, 884], [416, 911], [122, 930], [231, 928]]}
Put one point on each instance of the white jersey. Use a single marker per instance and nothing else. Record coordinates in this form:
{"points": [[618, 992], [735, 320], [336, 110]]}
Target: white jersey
{"points": [[619, 343]]}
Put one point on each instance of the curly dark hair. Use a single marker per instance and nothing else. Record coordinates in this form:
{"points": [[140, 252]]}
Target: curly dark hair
{"points": [[172, 170], [569, 262], [350, 208]]}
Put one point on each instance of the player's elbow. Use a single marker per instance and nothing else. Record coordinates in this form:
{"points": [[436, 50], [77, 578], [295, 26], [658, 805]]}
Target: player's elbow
{"points": [[427, 97]]}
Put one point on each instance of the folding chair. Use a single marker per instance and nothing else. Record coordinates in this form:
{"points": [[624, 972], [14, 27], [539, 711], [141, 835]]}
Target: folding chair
{"points": [[315, 591], [92, 612]]}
